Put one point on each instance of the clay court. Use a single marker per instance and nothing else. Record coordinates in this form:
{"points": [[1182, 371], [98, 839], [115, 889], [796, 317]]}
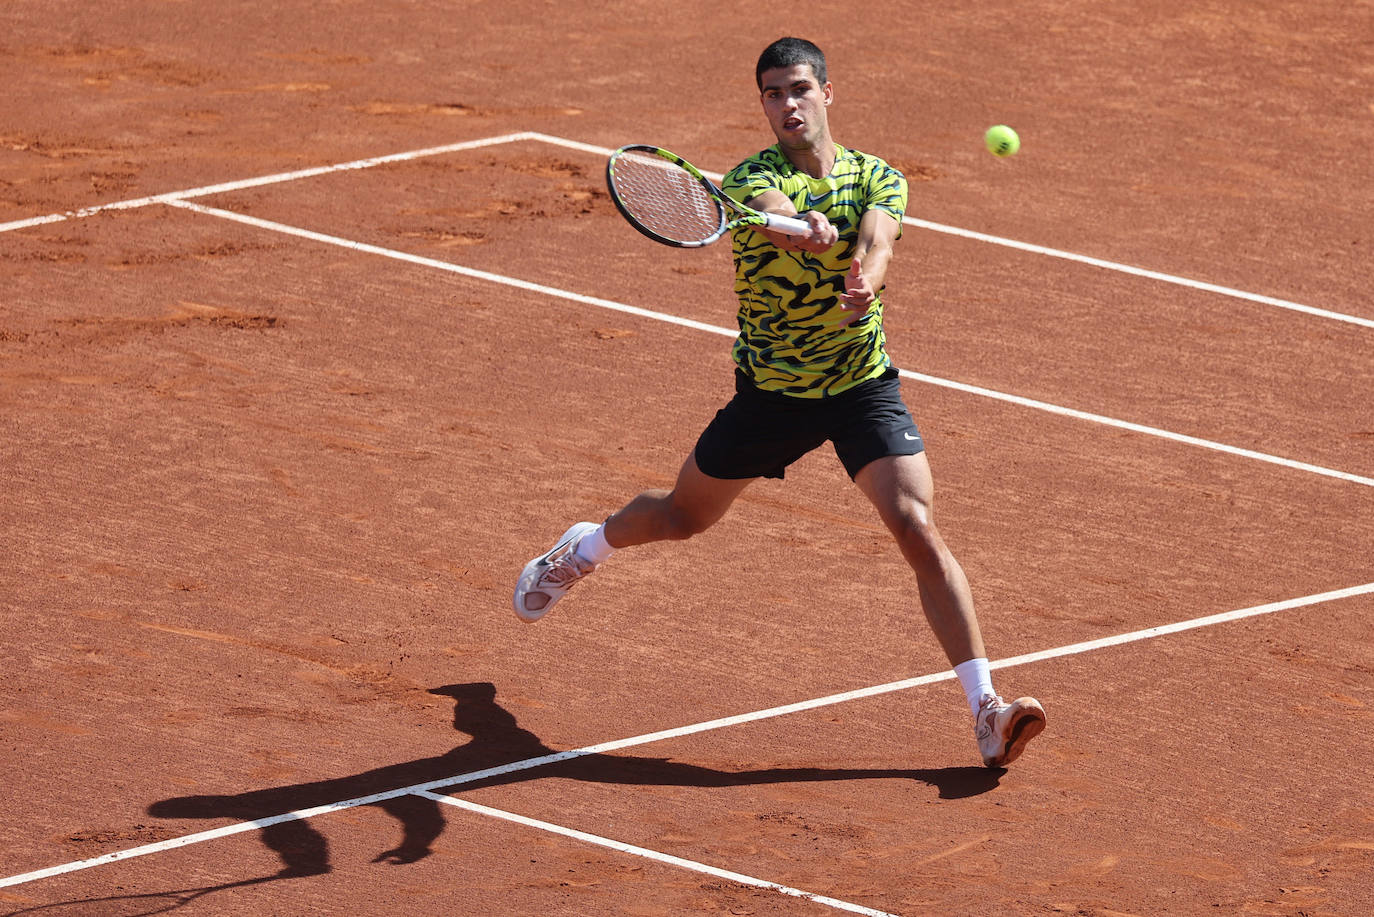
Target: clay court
{"points": [[318, 323]]}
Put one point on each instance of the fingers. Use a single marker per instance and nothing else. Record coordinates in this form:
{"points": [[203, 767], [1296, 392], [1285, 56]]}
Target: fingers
{"points": [[858, 296], [855, 313], [856, 272], [821, 238], [823, 233], [857, 291]]}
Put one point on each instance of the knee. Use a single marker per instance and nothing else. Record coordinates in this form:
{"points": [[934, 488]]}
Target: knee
{"points": [[680, 519], [922, 546], [680, 523]]}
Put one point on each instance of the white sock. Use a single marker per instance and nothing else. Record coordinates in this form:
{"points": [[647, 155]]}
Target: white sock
{"points": [[594, 546], [977, 681]]}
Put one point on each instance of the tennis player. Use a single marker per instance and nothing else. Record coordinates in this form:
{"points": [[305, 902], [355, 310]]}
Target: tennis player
{"points": [[811, 367]]}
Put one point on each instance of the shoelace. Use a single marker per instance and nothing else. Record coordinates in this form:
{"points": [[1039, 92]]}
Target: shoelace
{"points": [[566, 570], [982, 723]]}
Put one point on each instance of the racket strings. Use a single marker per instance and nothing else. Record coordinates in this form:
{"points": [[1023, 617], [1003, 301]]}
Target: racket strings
{"points": [[666, 199]]}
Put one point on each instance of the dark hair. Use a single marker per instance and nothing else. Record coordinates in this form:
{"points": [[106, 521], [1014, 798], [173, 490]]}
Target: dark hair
{"points": [[789, 52]]}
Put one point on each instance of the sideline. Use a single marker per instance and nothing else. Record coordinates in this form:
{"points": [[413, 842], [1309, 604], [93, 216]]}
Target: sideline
{"points": [[667, 858], [261, 180], [1018, 400], [721, 723]]}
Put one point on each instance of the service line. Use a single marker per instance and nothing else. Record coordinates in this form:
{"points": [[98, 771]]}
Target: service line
{"points": [[452, 268]]}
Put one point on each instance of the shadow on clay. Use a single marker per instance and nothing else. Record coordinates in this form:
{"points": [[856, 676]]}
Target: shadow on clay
{"points": [[496, 740]]}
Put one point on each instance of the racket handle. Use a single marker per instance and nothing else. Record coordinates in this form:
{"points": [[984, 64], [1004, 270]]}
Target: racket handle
{"points": [[788, 225]]}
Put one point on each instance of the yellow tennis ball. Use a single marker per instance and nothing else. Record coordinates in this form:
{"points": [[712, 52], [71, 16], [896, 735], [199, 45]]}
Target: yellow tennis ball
{"points": [[1001, 140]]}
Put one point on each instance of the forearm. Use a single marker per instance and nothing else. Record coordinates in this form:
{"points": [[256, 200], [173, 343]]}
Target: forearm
{"points": [[877, 233], [876, 255]]}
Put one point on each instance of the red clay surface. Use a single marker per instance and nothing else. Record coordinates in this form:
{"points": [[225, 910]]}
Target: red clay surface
{"points": [[266, 497]]}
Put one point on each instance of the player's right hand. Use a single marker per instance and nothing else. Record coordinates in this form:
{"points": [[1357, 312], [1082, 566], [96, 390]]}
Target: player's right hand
{"points": [[823, 233]]}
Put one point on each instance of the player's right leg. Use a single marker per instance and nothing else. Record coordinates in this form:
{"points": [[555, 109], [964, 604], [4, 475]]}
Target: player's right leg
{"points": [[547, 578], [696, 502], [757, 434]]}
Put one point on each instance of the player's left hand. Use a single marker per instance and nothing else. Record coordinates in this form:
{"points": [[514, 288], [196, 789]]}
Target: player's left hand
{"points": [[858, 296]]}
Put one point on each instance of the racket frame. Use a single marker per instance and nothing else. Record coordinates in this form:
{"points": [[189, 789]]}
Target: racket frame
{"points": [[740, 215]]}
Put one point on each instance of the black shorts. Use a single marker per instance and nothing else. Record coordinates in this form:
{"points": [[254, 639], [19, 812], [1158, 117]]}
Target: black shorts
{"points": [[759, 433]]}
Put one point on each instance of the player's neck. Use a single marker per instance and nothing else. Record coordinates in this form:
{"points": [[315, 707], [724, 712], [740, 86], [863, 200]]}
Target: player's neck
{"points": [[816, 160]]}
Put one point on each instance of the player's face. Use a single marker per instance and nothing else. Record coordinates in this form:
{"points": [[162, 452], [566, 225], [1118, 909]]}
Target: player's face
{"points": [[796, 106]]}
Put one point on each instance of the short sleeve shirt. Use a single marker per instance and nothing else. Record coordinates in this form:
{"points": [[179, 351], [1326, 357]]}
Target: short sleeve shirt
{"points": [[791, 339]]}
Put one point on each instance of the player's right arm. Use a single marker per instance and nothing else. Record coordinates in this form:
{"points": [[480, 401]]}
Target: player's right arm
{"points": [[823, 234]]}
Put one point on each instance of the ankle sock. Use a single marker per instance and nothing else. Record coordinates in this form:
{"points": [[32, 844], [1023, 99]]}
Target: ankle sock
{"points": [[594, 547], [976, 680]]}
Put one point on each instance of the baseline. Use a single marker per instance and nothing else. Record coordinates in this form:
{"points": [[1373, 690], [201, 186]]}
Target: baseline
{"points": [[1018, 400], [171, 196], [1054, 253], [721, 723], [242, 184]]}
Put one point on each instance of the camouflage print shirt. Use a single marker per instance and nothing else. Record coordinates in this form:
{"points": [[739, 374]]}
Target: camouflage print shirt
{"points": [[791, 339]]}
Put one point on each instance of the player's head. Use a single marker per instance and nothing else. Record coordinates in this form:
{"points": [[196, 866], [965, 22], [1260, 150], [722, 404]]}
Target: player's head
{"points": [[795, 94], [789, 52]]}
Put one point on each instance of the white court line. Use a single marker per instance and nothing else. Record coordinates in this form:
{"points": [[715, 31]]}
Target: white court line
{"points": [[678, 732], [260, 223], [606, 151], [448, 266], [1202, 285], [261, 180], [1139, 428], [1054, 253], [667, 858]]}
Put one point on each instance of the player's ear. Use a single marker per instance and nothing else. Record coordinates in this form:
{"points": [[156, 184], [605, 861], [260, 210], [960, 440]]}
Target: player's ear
{"points": [[828, 91]]}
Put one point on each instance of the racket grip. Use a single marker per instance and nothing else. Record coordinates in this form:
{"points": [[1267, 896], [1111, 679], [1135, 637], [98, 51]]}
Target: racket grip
{"points": [[789, 225]]}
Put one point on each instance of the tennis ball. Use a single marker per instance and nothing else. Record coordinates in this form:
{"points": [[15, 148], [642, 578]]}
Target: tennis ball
{"points": [[1001, 140]]}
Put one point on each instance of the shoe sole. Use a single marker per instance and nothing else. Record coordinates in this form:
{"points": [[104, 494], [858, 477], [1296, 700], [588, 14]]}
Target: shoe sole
{"points": [[1026, 727], [529, 617]]}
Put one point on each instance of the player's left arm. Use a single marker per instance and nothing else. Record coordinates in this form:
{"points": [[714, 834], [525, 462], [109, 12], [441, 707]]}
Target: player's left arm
{"points": [[878, 230]]}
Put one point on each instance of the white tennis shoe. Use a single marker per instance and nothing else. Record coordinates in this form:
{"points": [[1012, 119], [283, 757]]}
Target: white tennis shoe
{"points": [[1004, 729], [546, 579]]}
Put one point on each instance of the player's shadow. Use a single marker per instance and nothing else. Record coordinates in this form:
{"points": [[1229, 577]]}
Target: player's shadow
{"points": [[496, 740]]}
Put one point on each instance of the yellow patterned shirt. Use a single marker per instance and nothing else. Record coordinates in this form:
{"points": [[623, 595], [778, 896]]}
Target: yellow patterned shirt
{"points": [[790, 338]]}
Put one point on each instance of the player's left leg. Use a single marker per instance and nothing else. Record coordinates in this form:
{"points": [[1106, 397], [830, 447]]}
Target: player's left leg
{"points": [[901, 488]]}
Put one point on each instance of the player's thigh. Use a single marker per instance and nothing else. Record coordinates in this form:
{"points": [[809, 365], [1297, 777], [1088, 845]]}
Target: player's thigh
{"points": [[900, 487], [700, 500]]}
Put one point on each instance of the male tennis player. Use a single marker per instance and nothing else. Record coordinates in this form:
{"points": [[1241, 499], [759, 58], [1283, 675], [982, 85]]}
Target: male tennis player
{"points": [[811, 367]]}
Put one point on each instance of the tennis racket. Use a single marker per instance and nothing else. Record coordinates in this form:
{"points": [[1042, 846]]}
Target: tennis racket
{"points": [[668, 199]]}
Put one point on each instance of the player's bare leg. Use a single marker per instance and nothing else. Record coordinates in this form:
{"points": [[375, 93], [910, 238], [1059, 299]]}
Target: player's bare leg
{"points": [[696, 502], [902, 490]]}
